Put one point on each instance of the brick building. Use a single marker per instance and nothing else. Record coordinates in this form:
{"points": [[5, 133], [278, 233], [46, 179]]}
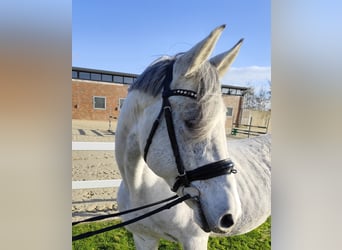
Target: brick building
{"points": [[233, 99], [99, 94]]}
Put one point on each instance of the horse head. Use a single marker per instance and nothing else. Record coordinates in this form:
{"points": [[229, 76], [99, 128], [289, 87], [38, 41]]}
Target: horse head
{"points": [[191, 92]]}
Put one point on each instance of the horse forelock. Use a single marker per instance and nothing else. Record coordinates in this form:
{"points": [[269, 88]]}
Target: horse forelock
{"points": [[151, 80], [209, 99], [206, 84]]}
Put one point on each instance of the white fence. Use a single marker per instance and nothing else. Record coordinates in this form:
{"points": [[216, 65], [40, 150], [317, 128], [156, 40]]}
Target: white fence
{"points": [[95, 183], [93, 145]]}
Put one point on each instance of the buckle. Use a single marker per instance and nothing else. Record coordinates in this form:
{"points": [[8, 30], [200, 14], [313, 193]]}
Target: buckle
{"points": [[181, 180], [167, 107], [233, 171]]}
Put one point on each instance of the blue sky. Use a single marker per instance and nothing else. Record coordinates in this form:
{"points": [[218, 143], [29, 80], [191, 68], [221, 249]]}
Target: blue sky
{"points": [[126, 36]]}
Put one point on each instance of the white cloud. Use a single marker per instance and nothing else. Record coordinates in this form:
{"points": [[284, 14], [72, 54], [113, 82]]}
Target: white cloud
{"points": [[255, 76]]}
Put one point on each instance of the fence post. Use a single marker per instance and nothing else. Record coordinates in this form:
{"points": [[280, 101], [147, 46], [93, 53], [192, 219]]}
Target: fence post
{"points": [[267, 123], [250, 125]]}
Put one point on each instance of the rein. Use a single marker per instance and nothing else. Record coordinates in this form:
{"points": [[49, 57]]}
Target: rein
{"points": [[125, 223]]}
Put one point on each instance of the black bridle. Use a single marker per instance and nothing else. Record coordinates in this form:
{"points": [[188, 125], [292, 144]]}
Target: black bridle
{"points": [[184, 178]]}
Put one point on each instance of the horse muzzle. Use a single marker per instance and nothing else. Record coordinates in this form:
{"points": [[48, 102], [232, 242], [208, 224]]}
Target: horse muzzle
{"points": [[207, 223]]}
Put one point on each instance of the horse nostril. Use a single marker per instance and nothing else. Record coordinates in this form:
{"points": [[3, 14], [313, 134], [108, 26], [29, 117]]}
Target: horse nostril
{"points": [[227, 221]]}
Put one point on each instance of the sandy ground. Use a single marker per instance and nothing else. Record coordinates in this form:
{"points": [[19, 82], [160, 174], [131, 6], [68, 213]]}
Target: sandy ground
{"points": [[93, 165]]}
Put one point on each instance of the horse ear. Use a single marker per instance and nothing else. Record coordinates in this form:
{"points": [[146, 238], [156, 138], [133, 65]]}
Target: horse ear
{"points": [[224, 60], [191, 60]]}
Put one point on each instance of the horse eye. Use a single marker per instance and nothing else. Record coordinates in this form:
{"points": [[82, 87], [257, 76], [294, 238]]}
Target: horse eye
{"points": [[190, 123], [191, 115]]}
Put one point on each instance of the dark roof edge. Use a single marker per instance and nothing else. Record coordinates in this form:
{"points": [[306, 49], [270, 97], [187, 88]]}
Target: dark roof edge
{"points": [[234, 87], [136, 75], [104, 71]]}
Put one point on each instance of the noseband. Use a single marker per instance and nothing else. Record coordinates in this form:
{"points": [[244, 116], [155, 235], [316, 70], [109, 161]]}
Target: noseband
{"points": [[184, 178]]}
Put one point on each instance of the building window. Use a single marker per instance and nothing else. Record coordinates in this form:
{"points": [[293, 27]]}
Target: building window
{"points": [[84, 75], [107, 78], [121, 102], [74, 74], [128, 80], [95, 76], [118, 79], [229, 111], [99, 102], [225, 91]]}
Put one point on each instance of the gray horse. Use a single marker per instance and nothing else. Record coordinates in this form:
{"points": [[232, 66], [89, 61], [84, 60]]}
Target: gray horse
{"points": [[222, 204]]}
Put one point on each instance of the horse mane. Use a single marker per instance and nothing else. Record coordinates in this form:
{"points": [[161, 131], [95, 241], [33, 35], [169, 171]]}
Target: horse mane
{"points": [[208, 91], [151, 80]]}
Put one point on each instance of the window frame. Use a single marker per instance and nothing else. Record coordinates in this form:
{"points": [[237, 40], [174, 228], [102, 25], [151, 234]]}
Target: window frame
{"points": [[229, 110], [83, 75], [128, 80], [116, 79], [120, 104], [105, 102], [95, 76]]}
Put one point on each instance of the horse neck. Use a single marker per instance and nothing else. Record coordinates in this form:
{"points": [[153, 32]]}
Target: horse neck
{"points": [[252, 160], [133, 168]]}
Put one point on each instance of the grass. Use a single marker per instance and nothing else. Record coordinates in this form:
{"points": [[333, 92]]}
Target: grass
{"points": [[260, 238]]}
